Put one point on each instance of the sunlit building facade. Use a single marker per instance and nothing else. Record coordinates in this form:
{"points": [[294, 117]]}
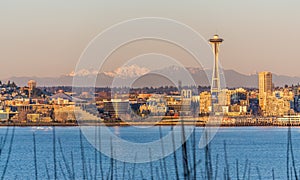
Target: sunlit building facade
{"points": [[265, 87]]}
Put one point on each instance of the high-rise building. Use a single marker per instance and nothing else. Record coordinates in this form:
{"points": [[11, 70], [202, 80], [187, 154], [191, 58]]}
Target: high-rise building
{"points": [[265, 86], [186, 98], [31, 85]]}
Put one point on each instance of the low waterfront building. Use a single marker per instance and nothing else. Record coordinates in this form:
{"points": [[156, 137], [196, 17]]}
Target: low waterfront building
{"points": [[64, 114], [279, 103], [288, 120], [61, 98], [4, 115], [33, 117], [156, 104], [116, 107], [205, 103]]}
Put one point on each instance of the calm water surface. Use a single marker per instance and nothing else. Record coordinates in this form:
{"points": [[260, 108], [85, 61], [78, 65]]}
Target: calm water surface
{"points": [[265, 148]]}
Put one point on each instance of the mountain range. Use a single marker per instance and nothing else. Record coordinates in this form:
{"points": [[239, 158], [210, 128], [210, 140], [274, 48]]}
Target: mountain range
{"points": [[142, 76]]}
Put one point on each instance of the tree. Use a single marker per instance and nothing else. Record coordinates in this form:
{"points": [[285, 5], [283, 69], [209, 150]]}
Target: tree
{"points": [[52, 114], [13, 85]]}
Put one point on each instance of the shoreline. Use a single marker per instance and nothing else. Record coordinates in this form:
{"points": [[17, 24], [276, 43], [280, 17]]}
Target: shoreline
{"points": [[124, 124]]}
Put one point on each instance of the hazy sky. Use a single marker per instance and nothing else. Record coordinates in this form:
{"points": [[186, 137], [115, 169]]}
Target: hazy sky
{"points": [[46, 37]]}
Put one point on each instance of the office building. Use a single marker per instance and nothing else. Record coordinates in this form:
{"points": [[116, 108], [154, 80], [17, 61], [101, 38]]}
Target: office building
{"points": [[265, 87]]}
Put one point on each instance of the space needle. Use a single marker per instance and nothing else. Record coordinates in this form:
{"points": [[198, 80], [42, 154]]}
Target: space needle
{"points": [[215, 86]]}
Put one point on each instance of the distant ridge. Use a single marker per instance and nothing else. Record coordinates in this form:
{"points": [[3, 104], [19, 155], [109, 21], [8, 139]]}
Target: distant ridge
{"points": [[233, 78]]}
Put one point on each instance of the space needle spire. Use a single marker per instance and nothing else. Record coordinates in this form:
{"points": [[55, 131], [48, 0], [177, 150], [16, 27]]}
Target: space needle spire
{"points": [[215, 86]]}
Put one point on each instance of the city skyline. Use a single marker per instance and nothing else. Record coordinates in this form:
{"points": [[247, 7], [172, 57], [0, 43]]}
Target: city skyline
{"points": [[131, 89], [46, 39]]}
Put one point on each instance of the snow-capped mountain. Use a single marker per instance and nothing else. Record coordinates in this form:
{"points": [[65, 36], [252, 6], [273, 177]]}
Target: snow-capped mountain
{"points": [[130, 73], [83, 72]]}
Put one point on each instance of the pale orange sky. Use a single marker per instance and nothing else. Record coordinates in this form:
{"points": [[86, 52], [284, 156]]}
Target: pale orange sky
{"points": [[46, 37]]}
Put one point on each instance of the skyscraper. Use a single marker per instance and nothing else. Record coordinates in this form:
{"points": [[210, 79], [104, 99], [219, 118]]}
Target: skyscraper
{"points": [[31, 87], [265, 88]]}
